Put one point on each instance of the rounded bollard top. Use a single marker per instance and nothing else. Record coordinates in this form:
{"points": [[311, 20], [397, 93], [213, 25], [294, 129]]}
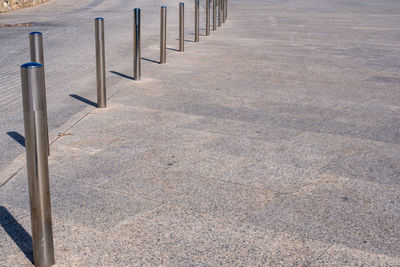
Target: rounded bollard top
{"points": [[34, 33], [164, 7], [182, 3], [99, 18], [138, 9], [31, 65]]}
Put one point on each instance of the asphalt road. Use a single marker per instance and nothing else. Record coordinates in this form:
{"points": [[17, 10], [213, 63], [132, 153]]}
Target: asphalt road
{"points": [[68, 31]]}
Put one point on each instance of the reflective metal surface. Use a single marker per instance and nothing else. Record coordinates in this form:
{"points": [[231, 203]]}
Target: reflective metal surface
{"points": [[219, 13], [34, 105], [181, 27], [163, 35], [137, 70], [207, 17], [226, 10], [196, 20], [36, 47], [37, 55], [100, 63], [223, 10], [214, 3]]}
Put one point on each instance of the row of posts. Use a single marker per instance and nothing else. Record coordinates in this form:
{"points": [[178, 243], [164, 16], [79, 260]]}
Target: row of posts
{"points": [[222, 15], [35, 112]]}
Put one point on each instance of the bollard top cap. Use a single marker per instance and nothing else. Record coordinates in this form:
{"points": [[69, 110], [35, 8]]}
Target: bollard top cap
{"points": [[181, 3], [164, 7], [138, 9], [33, 33], [31, 65], [99, 18]]}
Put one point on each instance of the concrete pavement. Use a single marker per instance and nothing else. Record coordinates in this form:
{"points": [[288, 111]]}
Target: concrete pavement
{"points": [[275, 142], [68, 36]]}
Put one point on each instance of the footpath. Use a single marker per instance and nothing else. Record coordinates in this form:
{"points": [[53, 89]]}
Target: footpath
{"points": [[273, 142]]}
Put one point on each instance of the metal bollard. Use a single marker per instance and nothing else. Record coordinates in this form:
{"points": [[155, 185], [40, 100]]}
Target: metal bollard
{"points": [[214, 3], [207, 17], [226, 10], [181, 27], [137, 70], [219, 13], [223, 10], [37, 55], [100, 63], [36, 47], [34, 105], [196, 20], [163, 35]]}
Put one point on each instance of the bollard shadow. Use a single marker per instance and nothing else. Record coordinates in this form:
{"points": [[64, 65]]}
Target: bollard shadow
{"points": [[151, 60], [190, 41], [84, 100], [200, 34], [122, 75], [17, 137], [173, 49], [17, 233]]}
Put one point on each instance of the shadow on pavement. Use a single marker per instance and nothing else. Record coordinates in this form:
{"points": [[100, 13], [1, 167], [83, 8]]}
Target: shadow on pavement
{"points": [[173, 49], [190, 41], [150, 60], [17, 137], [122, 75], [17, 233], [84, 100]]}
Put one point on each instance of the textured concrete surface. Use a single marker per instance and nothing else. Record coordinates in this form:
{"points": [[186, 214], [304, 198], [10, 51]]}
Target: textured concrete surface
{"points": [[275, 142], [68, 36]]}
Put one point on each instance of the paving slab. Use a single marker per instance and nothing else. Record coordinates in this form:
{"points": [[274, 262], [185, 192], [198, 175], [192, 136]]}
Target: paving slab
{"points": [[342, 256], [332, 217], [73, 202], [82, 246], [375, 162], [206, 239]]}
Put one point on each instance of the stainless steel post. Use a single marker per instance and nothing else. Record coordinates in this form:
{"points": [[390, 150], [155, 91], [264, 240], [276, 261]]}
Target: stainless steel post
{"points": [[207, 17], [37, 55], [181, 27], [219, 13], [34, 105], [163, 35], [214, 2], [223, 10], [137, 70], [226, 10], [36, 47], [100, 63], [196, 20]]}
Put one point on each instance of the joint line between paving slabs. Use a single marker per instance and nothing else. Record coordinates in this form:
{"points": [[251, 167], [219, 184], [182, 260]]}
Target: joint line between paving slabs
{"points": [[57, 138], [121, 193], [322, 253], [12, 176], [90, 111]]}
